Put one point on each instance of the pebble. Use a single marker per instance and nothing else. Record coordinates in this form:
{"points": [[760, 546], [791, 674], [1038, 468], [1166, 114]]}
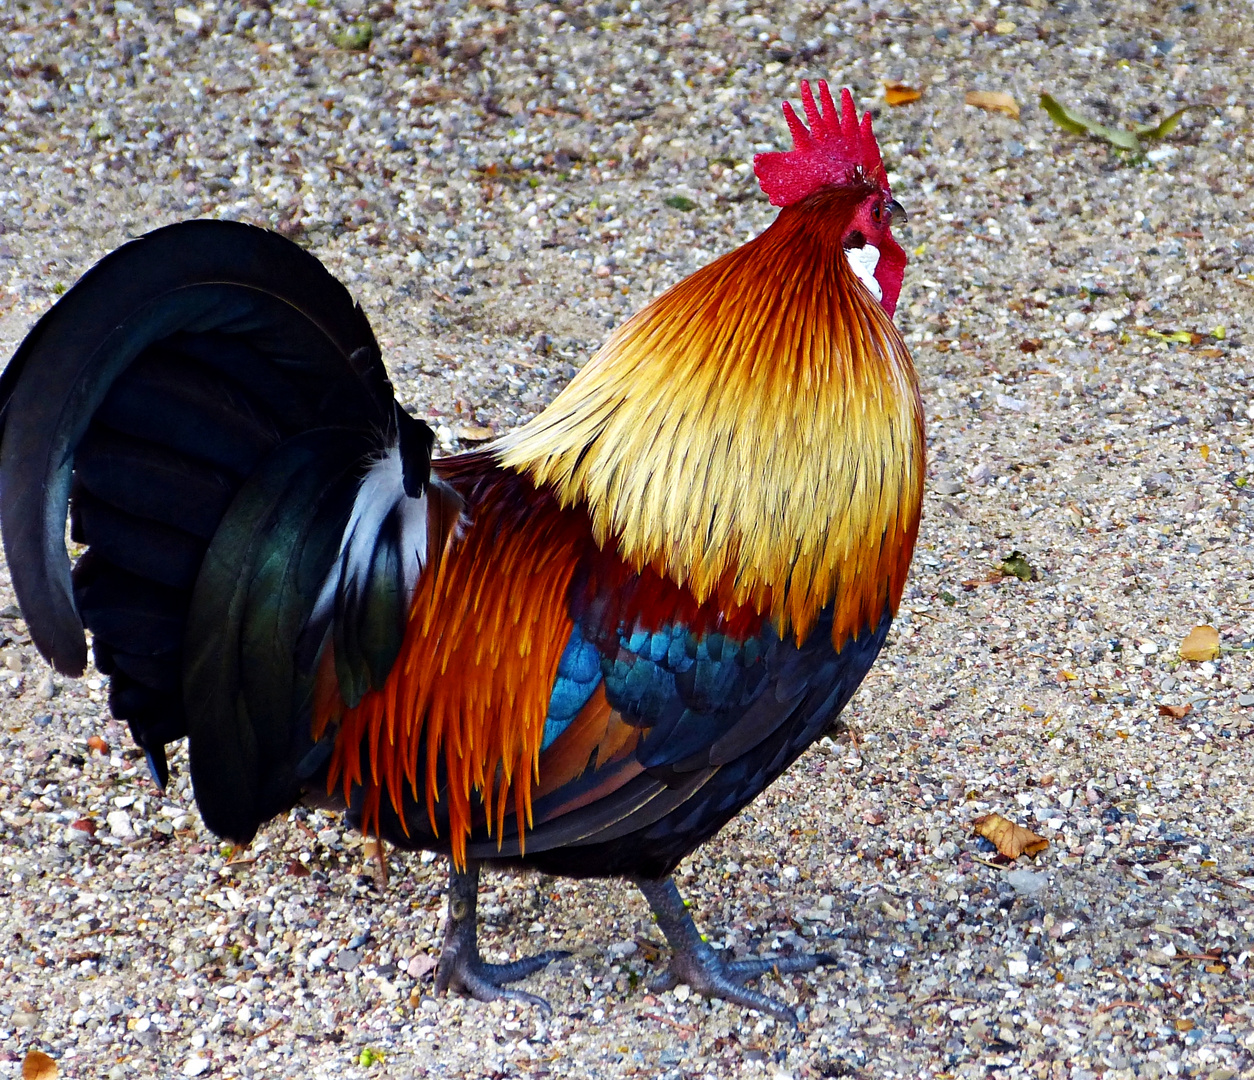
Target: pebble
{"points": [[119, 822], [196, 1066], [1026, 882], [347, 959]]}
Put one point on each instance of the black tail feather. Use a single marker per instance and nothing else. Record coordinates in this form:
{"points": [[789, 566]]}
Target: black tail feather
{"points": [[204, 401]]}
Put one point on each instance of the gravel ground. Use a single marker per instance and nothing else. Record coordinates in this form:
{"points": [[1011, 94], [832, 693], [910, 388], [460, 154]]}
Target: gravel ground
{"points": [[499, 185]]}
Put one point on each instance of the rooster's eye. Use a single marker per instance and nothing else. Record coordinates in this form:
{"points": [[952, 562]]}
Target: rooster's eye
{"points": [[877, 212]]}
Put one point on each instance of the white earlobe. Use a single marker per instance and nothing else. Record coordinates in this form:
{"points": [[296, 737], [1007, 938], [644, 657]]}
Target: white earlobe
{"points": [[864, 260]]}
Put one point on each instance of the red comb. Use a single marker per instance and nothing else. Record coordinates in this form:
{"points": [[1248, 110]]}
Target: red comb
{"points": [[832, 150]]}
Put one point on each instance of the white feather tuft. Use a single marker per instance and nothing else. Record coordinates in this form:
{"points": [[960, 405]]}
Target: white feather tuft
{"points": [[863, 261], [382, 489]]}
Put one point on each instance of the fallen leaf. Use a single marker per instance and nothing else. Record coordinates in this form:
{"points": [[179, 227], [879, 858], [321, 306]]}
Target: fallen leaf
{"points": [[474, 433], [1117, 137], [1016, 565], [84, 825], [1082, 125], [1204, 450], [898, 93], [993, 101], [679, 202], [1201, 644], [1178, 711], [1177, 337], [1184, 1024], [1010, 839], [1030, 345], [98, 744], [38, 1066], [296, 868], [1164, 127]]}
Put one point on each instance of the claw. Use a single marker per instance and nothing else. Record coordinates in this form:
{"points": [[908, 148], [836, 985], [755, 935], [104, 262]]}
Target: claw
{"points": [[694, 962], [461, 969]]}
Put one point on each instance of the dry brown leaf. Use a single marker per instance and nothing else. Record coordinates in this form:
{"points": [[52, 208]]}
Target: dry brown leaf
{"points": [[98, 744], [38, 1066], [296, 868], [898, 93], [1010, 839], [1201, 644], [1178, 711], [993, 101], [474, 433]]}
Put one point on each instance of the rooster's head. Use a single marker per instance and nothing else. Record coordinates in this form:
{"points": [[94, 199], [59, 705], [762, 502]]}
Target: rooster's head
{"points": [[836, 151]]}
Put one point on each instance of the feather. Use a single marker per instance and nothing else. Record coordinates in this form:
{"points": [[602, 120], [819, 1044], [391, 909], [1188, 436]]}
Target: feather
{"points": [[774, 369], [209, 397]]}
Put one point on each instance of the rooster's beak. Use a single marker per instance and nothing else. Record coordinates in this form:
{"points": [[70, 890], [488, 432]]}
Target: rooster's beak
{"points": [[897, 213]]}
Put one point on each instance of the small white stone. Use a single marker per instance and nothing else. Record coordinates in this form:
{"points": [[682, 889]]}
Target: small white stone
{"points": [[120, 825], [196, 1066], [683, 992], [194, 22], [1026, 882], [1016, 969], [1147, 648]]}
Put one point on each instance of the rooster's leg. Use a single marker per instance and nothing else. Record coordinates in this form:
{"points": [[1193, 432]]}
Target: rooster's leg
{"points": [[461, 967], [694, 962]]}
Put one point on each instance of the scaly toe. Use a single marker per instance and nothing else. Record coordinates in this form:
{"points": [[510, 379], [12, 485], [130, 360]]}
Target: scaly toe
{"points": [[743, 970], [486, 982]]}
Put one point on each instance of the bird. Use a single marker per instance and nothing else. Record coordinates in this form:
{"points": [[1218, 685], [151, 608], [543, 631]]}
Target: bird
{"points": [[581, 649]]}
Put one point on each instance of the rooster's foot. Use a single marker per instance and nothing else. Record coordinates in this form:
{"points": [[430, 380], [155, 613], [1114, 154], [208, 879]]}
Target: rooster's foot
{"points": [[694, 962], [462, 969]]}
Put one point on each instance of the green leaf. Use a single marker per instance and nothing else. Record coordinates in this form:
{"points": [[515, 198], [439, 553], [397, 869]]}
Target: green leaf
{"points": [[1065, 120], [1164, 127], [1016, 565], [356, 37], [680, 202], [1082, 125]]}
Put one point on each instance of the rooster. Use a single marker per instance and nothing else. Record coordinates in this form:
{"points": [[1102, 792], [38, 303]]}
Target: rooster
{"points": [[583, 649]]}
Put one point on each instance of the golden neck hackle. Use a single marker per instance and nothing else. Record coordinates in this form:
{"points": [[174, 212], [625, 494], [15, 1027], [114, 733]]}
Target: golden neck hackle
{"points": [[755, 433]]}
